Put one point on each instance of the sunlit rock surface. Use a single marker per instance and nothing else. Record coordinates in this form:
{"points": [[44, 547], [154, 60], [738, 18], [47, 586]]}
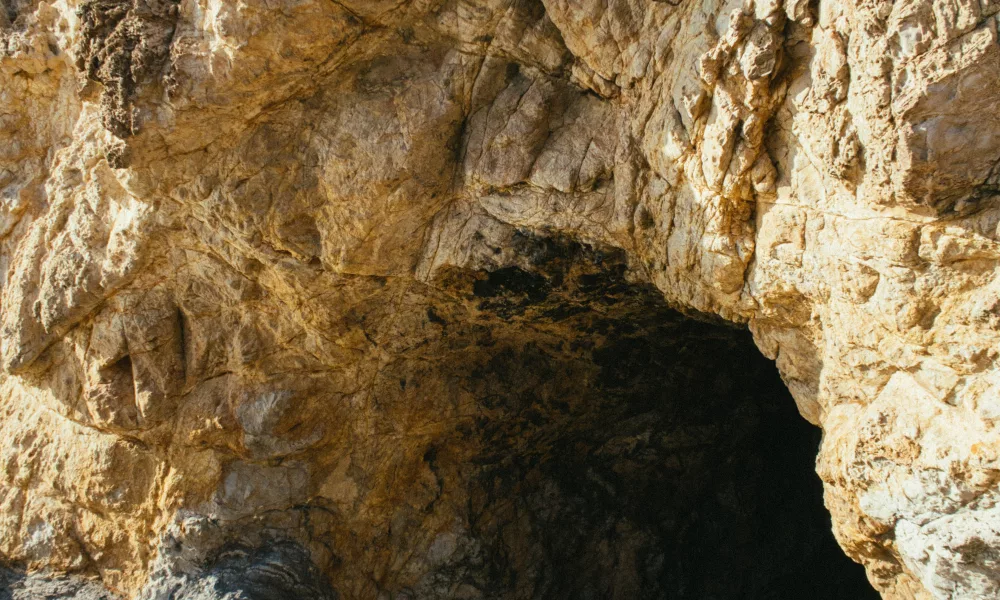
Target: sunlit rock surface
{"points": [[372, 299]]}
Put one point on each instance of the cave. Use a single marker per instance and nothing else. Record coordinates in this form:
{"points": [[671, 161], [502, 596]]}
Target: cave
{"points": [[693, 479], [376, 299], [550, 429], [619, 449]]}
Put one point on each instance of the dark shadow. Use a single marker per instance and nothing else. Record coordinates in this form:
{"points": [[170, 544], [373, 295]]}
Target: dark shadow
{"points": [[628, 451]]}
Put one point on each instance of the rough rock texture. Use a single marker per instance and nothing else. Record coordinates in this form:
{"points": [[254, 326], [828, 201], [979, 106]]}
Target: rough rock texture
{"points": [[334, 292], [16, 585]]}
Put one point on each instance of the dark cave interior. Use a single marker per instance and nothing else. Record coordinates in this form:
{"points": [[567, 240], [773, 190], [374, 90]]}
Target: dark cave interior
{"points": [[628, 451], [692, 477]]}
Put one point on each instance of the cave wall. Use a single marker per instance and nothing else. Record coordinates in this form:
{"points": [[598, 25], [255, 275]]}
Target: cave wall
{"points": [[547, 433], [252, 252]]}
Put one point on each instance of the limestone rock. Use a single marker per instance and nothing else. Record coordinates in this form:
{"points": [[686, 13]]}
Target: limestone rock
{"points": [[339, 293]]}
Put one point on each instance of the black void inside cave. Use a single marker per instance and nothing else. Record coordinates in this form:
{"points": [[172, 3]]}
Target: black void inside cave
{"points": [[629, 451]]}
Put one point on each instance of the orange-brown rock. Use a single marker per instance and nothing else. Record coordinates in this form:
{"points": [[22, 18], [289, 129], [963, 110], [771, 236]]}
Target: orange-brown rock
{"points": [[373, 299]]}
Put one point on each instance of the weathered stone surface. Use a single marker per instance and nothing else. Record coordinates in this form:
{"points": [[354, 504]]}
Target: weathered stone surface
{"points": [[41, 586], [288, 285]]}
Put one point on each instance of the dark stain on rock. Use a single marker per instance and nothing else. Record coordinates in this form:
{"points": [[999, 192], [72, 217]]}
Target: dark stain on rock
{"points": [[124, 43], [560, 278], [433, 317], [512, 281]]}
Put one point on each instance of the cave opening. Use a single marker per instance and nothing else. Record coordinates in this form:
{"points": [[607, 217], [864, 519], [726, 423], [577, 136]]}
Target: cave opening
{"points": [[629, 451], [549, 429]]}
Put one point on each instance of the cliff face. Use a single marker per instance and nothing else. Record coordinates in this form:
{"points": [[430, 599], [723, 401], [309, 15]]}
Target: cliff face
{"points": [[349, 298]]}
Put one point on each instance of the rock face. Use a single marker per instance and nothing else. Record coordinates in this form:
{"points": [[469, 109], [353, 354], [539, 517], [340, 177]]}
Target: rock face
{"points": [[372, 299]]}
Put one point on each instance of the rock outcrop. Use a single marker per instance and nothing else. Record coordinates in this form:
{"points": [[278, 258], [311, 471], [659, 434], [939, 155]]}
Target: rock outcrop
{"points": [[372, 298]]}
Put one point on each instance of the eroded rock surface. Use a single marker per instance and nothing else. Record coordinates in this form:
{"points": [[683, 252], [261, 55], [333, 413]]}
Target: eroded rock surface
{"points": [[336, 292]]}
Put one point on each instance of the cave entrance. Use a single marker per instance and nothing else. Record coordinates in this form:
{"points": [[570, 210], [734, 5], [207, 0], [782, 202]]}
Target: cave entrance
{"points": [[629, 451]]}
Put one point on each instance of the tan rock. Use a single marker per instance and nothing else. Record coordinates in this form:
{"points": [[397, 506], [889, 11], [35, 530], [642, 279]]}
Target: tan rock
{"points": [[254, 257]]}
